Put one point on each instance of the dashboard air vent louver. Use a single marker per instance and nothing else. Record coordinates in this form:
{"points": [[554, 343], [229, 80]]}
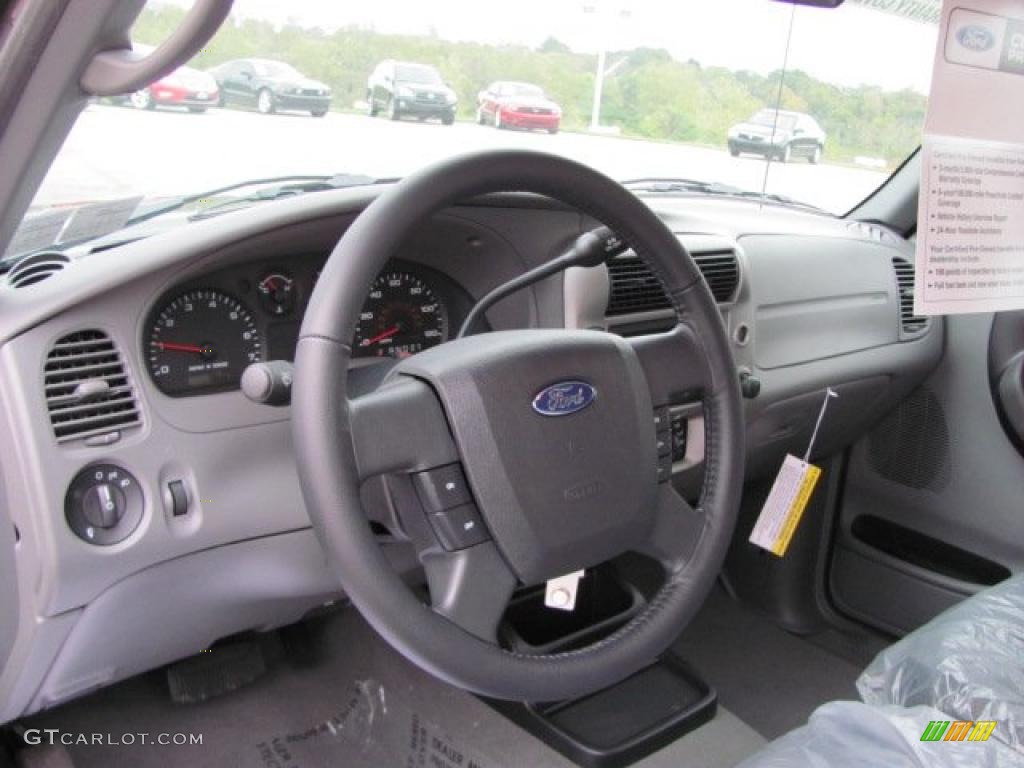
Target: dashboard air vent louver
{"points": [[870, 231], [721, 272], [88, 390], [634, 288], [33, 269], [909, 322]]}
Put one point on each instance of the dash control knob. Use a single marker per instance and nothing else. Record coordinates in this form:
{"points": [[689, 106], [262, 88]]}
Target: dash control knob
{"points": [[104, 504]]}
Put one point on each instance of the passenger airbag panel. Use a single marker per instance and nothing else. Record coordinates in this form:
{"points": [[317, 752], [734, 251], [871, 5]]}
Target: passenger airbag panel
{"points": [[815, 299]]}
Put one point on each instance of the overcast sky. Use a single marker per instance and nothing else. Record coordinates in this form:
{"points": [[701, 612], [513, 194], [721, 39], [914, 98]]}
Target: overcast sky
{"points": [[849, 46]]}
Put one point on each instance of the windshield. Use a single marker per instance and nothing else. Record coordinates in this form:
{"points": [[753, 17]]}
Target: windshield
{"points": [[768, 119], [410, 73], [522, 89], [638, 89], [274, 69]]}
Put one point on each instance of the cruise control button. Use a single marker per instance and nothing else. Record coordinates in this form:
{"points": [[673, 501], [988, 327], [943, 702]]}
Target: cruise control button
{"points": [[664, 442], [459, 528], [442, 488], [661, 419]]}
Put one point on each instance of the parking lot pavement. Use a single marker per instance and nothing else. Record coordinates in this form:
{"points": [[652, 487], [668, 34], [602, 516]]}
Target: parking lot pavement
{"points": [[117, 151]]}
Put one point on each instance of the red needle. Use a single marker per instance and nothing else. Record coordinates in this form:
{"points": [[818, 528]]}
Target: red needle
{"points": [[180, 347], [381, 336]]}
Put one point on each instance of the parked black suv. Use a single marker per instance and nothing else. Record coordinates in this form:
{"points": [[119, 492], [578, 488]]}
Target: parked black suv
{"points": [[401, 88], [270, 86]]}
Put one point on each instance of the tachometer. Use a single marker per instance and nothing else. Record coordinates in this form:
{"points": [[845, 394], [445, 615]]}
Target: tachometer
{"points": [[201, 341], [401, 316]]}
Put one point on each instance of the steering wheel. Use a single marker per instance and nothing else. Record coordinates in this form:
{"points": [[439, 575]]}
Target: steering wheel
{"points": [[548, 493]]}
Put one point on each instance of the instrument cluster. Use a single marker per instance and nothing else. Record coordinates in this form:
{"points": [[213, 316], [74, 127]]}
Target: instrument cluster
{"points": [[200, 336]]}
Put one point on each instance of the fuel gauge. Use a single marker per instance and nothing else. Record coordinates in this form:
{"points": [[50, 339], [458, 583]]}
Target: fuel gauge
{"points": [[277, 294]]}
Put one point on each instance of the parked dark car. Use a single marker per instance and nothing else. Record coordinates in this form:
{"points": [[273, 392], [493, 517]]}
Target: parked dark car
{"points": [[507, 104], [270, 86], [402, 88], [779, 134]]}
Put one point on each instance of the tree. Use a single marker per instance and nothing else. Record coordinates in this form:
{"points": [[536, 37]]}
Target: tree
{"points": [[553, 45]]}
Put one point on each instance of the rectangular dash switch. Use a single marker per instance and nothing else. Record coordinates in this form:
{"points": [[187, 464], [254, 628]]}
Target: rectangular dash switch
{"points": [[179, 498], [459, 527], [442, 488]]}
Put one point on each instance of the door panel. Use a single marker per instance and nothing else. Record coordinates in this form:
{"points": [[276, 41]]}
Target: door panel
{"points": [[933, 503], [231, 85], [244, 81]]}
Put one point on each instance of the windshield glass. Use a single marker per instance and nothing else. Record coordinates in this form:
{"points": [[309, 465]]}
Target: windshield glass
{"points": [[637, 89], [274, 69], [522, 89], [410, 73], [767, 118]]}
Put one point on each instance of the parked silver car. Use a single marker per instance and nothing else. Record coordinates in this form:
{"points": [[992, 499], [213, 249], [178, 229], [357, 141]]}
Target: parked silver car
{"points": [[779, 134]]}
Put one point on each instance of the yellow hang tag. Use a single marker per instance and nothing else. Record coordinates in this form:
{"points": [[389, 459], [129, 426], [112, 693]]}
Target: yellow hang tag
{"points": [[785, 505]]}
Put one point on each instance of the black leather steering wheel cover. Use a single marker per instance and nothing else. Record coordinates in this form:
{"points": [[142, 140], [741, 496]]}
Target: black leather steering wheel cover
{"points": [[326, 463]]}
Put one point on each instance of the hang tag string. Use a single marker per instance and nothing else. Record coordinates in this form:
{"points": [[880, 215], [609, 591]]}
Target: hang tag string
{"points": [[829, 394]]}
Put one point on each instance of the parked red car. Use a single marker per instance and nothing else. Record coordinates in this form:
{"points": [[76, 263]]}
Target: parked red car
{"points": [[505, 104], [184, 87]]}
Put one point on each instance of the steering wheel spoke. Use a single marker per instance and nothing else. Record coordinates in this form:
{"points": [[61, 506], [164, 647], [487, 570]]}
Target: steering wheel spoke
{"points": [[676, 530], [471, 588], [674, 363], [399, 427]]}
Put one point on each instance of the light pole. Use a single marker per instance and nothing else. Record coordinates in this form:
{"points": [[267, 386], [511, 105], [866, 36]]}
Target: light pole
{"points": [[603, 16]]}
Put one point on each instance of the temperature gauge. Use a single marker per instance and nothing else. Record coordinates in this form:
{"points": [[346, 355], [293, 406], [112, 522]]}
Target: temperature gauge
{"points": [[277, 294]]}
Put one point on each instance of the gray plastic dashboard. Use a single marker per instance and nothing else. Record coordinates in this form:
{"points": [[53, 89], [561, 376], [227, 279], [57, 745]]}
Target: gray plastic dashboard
{"points": [[817, 301]]}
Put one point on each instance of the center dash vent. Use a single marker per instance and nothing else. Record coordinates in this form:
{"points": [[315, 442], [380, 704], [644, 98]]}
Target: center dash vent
{"points": [[634, 288], [909, 322], [88, 390]]}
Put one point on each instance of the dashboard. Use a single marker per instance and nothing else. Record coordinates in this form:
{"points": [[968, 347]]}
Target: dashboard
{"points": [[122, 370], [202, 334]]}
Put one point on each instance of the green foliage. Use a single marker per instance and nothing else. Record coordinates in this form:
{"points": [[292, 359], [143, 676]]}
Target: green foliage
{"points": [[652, 95]]}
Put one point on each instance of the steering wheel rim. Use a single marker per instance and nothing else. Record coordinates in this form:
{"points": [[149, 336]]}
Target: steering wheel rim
{"points": [[332, 456]]}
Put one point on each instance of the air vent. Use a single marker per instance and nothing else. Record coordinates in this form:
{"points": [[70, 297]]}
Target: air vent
{"points": [[721, 272], [911, 323], [634, 288], [871, 231], [36, 268], [88, 390]]}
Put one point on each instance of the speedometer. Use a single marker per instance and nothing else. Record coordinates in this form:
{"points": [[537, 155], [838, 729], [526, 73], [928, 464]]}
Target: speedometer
{"points": [[201, 341], [401, 316]]}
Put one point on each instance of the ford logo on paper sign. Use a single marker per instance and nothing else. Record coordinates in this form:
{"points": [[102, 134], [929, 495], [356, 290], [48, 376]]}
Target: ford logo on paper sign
{"points": [[975, 37], [564, 398]]}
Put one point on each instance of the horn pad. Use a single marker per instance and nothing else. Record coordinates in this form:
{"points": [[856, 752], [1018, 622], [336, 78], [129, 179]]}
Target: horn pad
{"points": [[556, 434]]}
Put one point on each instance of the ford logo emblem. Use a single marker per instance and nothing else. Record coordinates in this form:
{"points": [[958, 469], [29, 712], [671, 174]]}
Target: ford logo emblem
{"points": [[975, 37], [564, 398]]}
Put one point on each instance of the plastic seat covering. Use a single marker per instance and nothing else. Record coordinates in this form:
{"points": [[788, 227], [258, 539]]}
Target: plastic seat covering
{"points": [[850, 734], [968, 662]]}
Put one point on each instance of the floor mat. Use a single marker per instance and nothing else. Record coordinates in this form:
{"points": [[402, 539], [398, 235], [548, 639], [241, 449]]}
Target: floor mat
{"points": [[769, 678], [350, 701]]}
